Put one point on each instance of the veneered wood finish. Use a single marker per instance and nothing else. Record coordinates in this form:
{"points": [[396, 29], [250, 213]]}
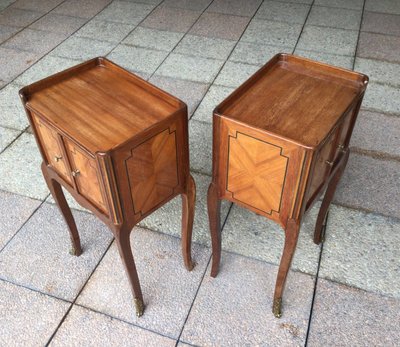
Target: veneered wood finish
{"points": [[279, 141], [118, 144]]}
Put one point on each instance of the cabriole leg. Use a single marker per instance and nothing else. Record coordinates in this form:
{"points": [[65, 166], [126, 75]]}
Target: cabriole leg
{"points": [[214, 212], [188, 205]]}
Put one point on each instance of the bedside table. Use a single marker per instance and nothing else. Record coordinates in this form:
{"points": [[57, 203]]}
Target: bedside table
{"points": [[279, 141], [118, 144]]}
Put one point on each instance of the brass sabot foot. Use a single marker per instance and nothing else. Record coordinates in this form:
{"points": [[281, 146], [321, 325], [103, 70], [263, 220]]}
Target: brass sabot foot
{"points": [[74, 251], [139, 306], [277, 308]]}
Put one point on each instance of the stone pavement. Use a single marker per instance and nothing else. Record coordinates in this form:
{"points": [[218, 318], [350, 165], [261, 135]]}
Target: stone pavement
{"points": [[344, 293]]}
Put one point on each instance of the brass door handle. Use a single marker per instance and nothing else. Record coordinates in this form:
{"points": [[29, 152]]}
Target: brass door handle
{"points": [[76, 173], [57, 158]]}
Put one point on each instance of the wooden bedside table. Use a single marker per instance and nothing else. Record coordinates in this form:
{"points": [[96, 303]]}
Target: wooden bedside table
{"points": [[279, 141], [118, 144]]}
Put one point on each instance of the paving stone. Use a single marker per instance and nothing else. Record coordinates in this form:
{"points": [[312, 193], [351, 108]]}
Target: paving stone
{"points": [[6, 137], [279, 33], [6, 32], [377, 132], [12, 113], [235, 7], [220, 25], [28, 318], [13, 62], [189, 92], [200, 146], [190, 68], [377, 46], [168, 288], [57, 23], [328, 58], [372, 184], [18, 18], [36, 5], [379, 71], [382, 98], [234, 309], [234, 74], [309, 2], [361, 250], [82, 48], [168, 218], [205, 47], [384, 6], [198, 5], [5, 3], [253, 53], [20, 169], [171, 19], [350, 4], [328, 40], [137, 59], [334, 17], [87, 328], [15, 210], [45, 67], [37, 41], [283, 12], [154, 39], [381, 23], [352, 317], [215, 95], [105, 31], [125, 12], [38, 256], [81, 8]]}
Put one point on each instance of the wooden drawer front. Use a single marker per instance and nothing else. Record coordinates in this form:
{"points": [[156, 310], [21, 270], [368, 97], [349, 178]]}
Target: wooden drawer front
{"points": [[343, 134], [52, 147], [86, 175]]}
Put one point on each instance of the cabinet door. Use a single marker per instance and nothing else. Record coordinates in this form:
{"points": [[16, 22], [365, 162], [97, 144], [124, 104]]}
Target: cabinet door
{"points": [[86, 175], [52, 147], [344, 130]]}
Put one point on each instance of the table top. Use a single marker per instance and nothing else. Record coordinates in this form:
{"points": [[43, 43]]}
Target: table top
{"points": [[295, 98], [99, 104]]}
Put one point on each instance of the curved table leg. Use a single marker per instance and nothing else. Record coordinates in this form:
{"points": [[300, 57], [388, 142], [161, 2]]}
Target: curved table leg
{"points": [[188, 205], [214, 211]]}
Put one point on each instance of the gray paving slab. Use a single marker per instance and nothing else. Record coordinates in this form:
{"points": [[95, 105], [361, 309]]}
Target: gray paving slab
{"points": [[377, 132], [235, 7], [37, 41], [36, 5], [105, 31], [5, 3], [168, 288], [335, 17], [257, 237], [6, 32], [125, 12], [18, 18], [38, 256], [279, 33], [234, 74], [82, 48], [309, 2], [381, 23], [234, 309], [379, 71], [332, 59], [198, 5], [353, 317], [350, 4], [20, 169], [190, 68], [88, 328], [200, 146], [12, 113], [82, 9], [7, 136], [283, 12], [384, 6], [189, 92], [220, 25], [45, 67], [360, 250], [328, 40], [171, 19], [378, 46], [15, 210], [28, 318], [214, 96], [14, 62], [205, 47], [382, 98], [372, 184], [253, 53], [153, 39], [137, 59], [167, 219], [57, 23]]}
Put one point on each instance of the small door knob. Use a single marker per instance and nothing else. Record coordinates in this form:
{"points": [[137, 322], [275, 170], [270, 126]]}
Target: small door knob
{"points": [[330, 163], [341, 148], [76, 173], [57, 158]]}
